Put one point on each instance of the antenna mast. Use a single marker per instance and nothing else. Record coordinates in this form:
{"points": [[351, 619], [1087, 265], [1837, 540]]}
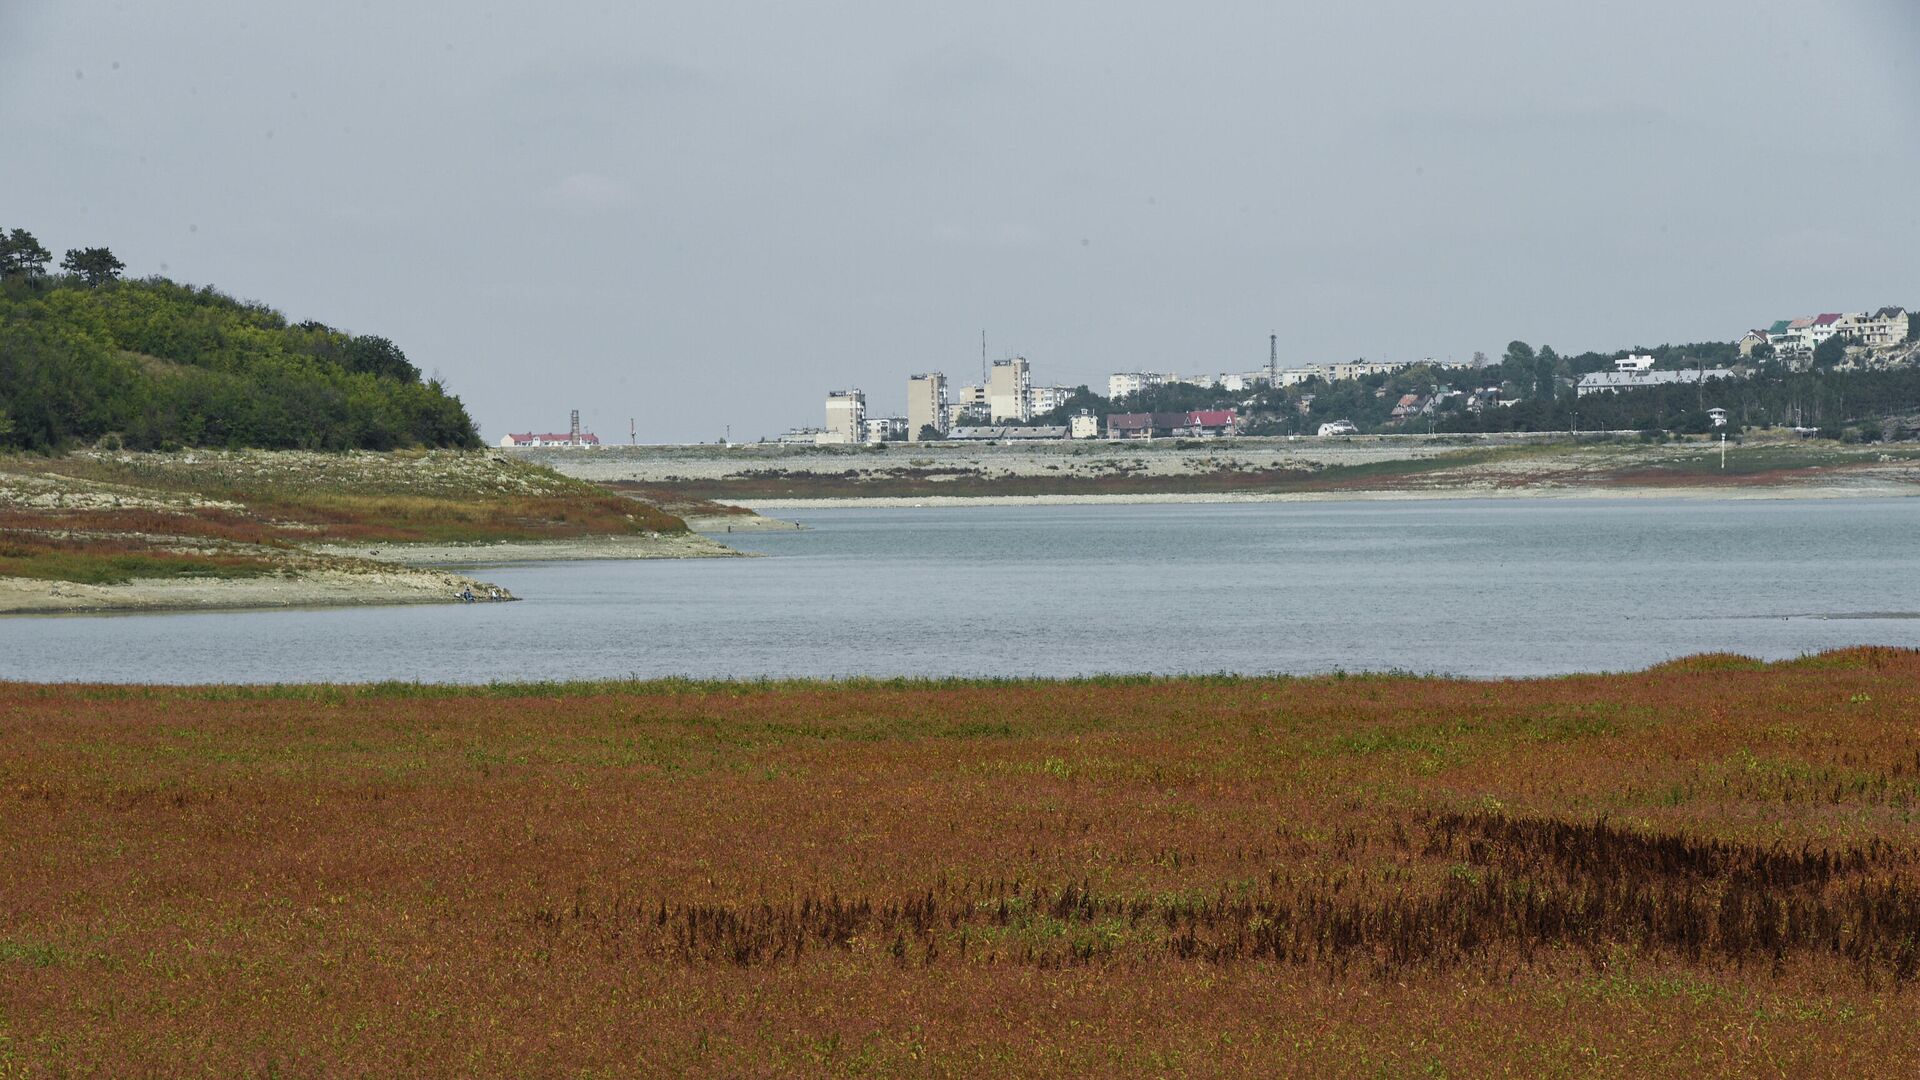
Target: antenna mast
{"points": [[1273, 359]]}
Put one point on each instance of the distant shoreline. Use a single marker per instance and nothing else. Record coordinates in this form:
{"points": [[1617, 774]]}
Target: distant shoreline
{"points": [[1703, 494]]}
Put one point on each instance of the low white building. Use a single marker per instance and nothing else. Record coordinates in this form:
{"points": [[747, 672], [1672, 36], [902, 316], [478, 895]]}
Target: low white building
{"points": [[1633, 363], [582, 439], [1338, 427], [1607, 382], [1083, 425]]}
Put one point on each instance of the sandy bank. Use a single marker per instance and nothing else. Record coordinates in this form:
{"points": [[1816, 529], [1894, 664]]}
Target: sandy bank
{"points": [[685, 546], [306, 588], [720, 525]]}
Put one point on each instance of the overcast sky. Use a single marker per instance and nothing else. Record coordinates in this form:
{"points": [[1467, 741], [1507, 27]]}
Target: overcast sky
{"points": [[710, 213]]}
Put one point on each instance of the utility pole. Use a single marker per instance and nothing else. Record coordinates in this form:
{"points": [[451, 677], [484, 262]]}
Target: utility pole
{"points": [[983, 358], [633, 432]]}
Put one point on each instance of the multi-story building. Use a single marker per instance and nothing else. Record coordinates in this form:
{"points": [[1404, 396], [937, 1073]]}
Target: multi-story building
{"points": [[1877, 329], [881, 429], [1362, 368], [1044, 399], [1008, 384], [1120, 384], [968, 405], [926, 404], [1083, 425], [846, 417]]}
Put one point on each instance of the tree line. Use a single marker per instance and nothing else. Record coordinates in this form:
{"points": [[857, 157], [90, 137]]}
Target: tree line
{"points": [[1533, 389], [87, 357]]}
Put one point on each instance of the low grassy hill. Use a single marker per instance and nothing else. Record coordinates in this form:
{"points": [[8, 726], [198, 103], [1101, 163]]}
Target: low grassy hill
{"points": [[153, 364]]}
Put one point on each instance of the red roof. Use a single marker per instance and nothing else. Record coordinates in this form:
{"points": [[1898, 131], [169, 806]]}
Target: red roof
{"points": [[1826, 320], [1211, 418]]}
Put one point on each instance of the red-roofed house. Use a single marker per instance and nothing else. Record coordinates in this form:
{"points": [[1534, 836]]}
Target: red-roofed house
{"points": [[1201, 423]]}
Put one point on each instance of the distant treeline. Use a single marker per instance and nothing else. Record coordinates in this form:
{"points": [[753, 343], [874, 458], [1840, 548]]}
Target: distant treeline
{"points": [[1842, 405], [85, 357], [1540, 383]]}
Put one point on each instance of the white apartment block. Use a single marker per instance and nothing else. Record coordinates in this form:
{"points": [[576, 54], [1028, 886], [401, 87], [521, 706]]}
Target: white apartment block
{"points": [[1121, 384], [926, 404], [1045, 399], [1083, 426], [881, 429], [1008, 384], [1362, 368]]}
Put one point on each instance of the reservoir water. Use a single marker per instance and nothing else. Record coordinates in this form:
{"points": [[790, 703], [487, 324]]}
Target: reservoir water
{"points": [[1478, 588]]}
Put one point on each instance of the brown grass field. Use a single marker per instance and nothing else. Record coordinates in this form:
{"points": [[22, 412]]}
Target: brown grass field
{"points": [[1710, 868]]}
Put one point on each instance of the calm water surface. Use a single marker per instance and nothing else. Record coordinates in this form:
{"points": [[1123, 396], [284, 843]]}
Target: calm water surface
{"points": [[1476, 588]]}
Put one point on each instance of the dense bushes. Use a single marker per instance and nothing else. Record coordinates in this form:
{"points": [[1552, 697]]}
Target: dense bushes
{"points": [[157, 364]]}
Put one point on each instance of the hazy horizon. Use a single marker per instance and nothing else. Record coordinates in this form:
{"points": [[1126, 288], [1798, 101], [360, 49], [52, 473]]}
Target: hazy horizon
{"points": [[712, 215]]}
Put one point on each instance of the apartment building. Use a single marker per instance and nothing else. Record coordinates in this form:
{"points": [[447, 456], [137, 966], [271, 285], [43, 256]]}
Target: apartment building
{"points": [[926, 404], [846, 418], [1044, 399], [1008, 384], [1121, 384]]}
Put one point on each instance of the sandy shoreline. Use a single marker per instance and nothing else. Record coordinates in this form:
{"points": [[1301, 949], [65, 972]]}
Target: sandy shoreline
{"points": [[382, 574], [1700, 493], [307, 588], [686, 546], [721, 525]]}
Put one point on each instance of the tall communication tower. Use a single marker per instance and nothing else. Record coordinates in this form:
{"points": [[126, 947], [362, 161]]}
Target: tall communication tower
{"points": [[573, 433], [1273, 359]]}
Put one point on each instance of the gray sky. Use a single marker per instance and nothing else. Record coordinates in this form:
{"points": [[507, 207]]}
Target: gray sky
{"points": [[702, 214]]}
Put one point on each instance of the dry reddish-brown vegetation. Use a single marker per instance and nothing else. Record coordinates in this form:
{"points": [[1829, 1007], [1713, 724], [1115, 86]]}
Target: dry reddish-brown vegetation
{"points": [[111, 517], [1708, 868]]}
